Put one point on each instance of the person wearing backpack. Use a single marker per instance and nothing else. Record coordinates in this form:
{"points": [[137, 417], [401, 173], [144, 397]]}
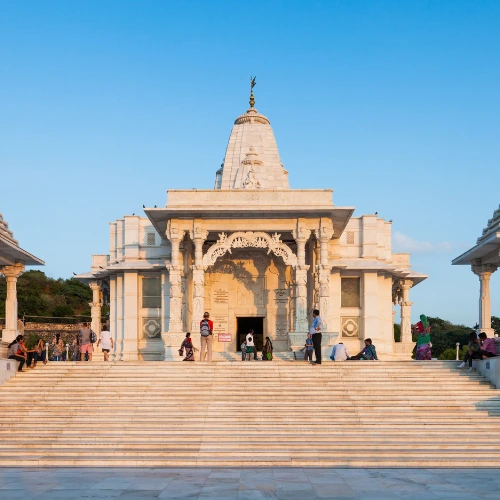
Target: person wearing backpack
{"points": [[87, 337], [206, 330]]}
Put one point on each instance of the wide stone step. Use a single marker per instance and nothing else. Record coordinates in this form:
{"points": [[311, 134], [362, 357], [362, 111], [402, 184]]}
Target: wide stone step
{"points": [[173, 414]]}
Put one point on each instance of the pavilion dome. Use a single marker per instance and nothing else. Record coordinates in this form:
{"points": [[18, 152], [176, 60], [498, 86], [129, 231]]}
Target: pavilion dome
{"points": [[5, 231], [252, 159]]}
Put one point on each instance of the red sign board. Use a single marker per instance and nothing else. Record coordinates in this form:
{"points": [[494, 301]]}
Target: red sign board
{"points": [[225, 337]]}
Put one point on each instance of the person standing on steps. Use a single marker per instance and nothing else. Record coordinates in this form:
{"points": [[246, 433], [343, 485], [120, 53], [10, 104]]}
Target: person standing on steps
{"points": [[187, 346], [105, 341], [86, 342], [250, 345], [315, 331], [244, 350], [206, 331], [308, 348]]}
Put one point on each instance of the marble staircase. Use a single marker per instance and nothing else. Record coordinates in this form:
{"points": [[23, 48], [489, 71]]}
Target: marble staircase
{"points": [[365, 414]]}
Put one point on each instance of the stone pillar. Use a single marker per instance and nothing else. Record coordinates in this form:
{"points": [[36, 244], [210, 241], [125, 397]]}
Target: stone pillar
{"points": [[484, 272], [301, 323], [96, 305], [11, 274], [324, 235], [175, 278], [406, 310], [198, 236]]}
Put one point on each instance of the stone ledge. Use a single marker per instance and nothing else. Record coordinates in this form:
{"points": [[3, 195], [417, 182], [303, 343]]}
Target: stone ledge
{"points": [[490, 369], [8, 369]]}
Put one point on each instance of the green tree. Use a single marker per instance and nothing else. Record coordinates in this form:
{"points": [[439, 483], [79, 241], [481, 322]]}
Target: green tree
{"points": [[39, 295], [62, 311], [495, 324], [397, 332]]}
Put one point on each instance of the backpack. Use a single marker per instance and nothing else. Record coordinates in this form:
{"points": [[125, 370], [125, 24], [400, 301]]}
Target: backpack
{"points": [[205, 328], [93, 337]]}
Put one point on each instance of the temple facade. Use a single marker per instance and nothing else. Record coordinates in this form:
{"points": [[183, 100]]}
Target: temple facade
{"points": [[254, 254]]}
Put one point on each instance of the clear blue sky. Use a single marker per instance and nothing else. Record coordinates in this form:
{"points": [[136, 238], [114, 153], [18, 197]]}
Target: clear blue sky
{"points": [[395, 105]]}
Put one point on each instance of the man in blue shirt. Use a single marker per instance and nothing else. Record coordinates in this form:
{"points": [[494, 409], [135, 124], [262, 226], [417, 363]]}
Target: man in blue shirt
{"points": [[315, 331], [368, 352]]}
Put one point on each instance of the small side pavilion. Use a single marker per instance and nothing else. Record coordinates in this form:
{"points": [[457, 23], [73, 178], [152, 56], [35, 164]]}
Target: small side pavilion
{"points": [[13, 260], [484, 259]]}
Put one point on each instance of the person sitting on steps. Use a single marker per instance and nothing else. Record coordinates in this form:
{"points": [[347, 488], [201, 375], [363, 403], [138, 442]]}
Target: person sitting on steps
{"points": [[369, 352], [488, 346], [12, 352], [473, 351]]}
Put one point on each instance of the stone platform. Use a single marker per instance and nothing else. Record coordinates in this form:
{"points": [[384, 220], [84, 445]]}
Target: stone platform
{"points": [[257, 414], [249, 483]]}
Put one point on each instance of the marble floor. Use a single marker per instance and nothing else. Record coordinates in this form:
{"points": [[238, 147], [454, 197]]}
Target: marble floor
{"points": [[248, 483]]}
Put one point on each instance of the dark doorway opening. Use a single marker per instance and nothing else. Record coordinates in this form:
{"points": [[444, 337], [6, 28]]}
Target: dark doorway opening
{"points": [[245, 324]]}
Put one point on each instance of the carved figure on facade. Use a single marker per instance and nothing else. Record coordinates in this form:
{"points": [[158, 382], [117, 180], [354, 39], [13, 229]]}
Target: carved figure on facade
{"points": [[251, 181], [249, 239]]}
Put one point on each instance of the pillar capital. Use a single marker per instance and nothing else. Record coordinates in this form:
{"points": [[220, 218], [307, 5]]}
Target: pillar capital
{"points": [[405, 284], [198, 234], [95, 284], [484, 271], [173, 233], [13, 271], [324, 233]]}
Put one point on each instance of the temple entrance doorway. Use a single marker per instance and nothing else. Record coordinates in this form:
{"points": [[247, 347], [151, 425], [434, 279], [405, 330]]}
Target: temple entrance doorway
{"points": [[246, 323]]}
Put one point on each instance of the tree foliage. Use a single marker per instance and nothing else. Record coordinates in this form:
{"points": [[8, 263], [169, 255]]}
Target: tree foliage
{"points": [[39, 295]]}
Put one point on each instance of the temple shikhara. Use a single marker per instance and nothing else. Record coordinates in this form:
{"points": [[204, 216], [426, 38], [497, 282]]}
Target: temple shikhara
{"points": [[254, 254]]}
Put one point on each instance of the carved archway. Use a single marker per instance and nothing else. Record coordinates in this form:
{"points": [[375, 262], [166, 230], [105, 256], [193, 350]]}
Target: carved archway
{"points": [[249, 239]]}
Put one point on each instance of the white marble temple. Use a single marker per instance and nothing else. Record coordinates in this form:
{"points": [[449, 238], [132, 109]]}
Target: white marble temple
{"points": [[254, 253]]}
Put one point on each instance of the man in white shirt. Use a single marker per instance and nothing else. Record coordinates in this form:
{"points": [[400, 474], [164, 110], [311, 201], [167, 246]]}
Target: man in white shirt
{"points": [[106, 342], [339, 352], [250, 345]]}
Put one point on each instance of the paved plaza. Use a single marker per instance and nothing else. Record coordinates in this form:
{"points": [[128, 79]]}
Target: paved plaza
{"points": [[248, 483]]}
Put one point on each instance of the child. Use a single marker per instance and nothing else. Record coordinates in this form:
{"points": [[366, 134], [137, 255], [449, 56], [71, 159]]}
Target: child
{"points": [[244, 351], [308, 354]]}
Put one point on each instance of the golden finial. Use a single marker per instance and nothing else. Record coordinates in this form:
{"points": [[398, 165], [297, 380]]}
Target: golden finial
{"points": [[252, 85]]}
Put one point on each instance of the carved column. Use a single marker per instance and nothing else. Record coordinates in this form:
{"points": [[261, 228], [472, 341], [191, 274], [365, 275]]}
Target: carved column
{"points": [[324, 235], [96, 305], [301, 324], [198, 236], [405, 286], [11, 274], [175, 277], [484, 272]]}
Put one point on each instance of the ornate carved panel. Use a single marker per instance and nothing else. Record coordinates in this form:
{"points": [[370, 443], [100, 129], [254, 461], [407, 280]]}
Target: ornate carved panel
{"points": [[249, 239], [350, 292], [151, 328], [350, 327], [281, 325]]}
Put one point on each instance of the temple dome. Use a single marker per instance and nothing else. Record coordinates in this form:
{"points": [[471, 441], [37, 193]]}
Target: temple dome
{"points": [[252, 159]]}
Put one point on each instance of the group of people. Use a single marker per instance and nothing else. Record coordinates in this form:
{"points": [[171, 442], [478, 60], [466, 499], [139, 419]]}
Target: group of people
{"points": [[81, 349], [479, 347], [18, 351], [248, 347]]}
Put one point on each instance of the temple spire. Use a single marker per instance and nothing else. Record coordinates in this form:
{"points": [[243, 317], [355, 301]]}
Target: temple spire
{"points": [[252, 85]]}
